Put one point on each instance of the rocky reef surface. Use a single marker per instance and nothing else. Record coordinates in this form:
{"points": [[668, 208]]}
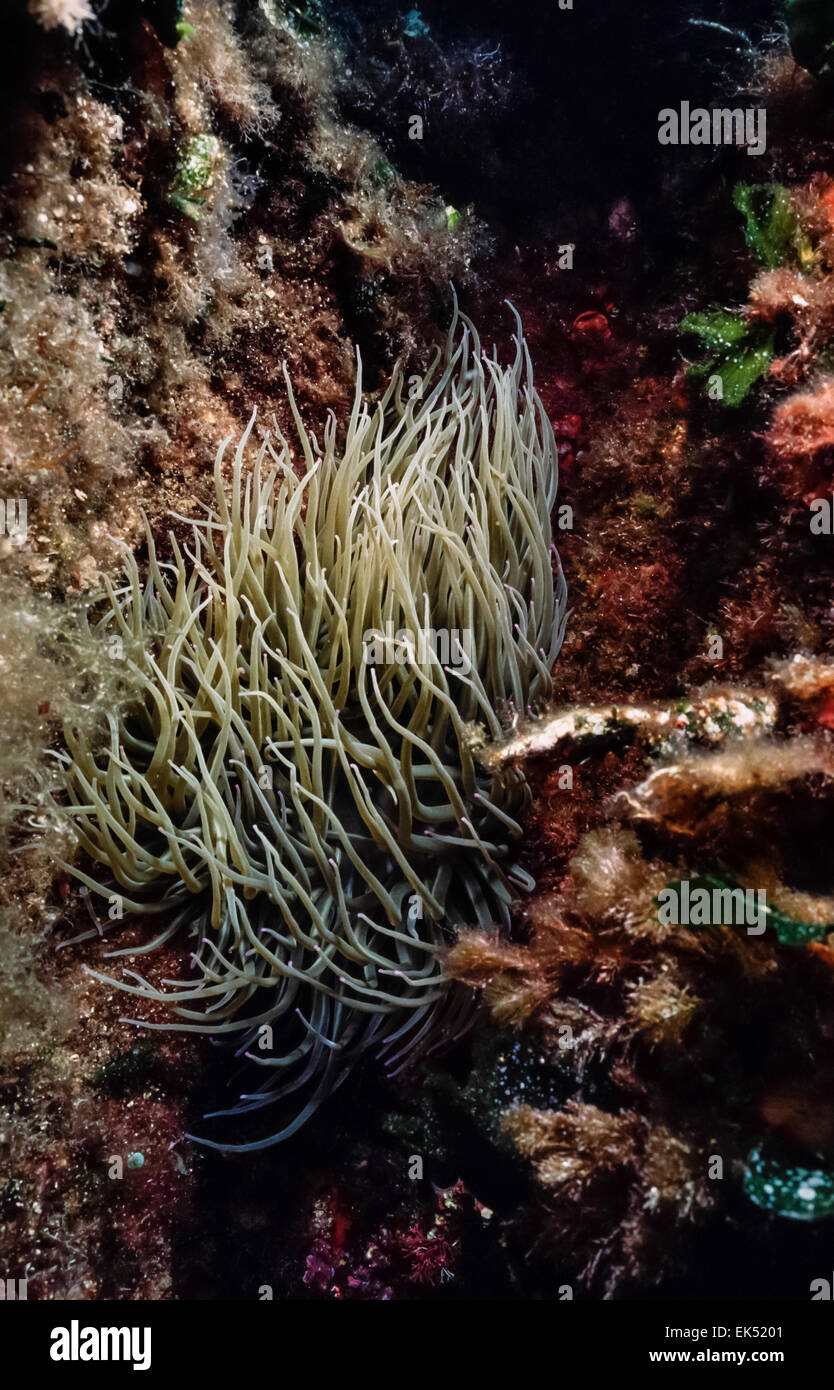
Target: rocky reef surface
{"points": [[194, 195]]}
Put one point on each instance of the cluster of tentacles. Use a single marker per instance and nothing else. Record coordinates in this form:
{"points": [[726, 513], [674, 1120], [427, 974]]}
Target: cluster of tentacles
{"points": [[292, 795]]}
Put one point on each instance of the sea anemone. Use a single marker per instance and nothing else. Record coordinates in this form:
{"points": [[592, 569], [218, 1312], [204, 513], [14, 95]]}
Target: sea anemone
{"points": [[294, 787]]}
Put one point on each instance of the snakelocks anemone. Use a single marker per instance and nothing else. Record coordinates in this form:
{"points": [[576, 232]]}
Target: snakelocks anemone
{"points": [[294, 791]]}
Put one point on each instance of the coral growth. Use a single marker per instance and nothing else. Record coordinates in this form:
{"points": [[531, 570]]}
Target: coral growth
{"points": [[197, 193], [158, 255], [612, 989], [61, 14]]}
